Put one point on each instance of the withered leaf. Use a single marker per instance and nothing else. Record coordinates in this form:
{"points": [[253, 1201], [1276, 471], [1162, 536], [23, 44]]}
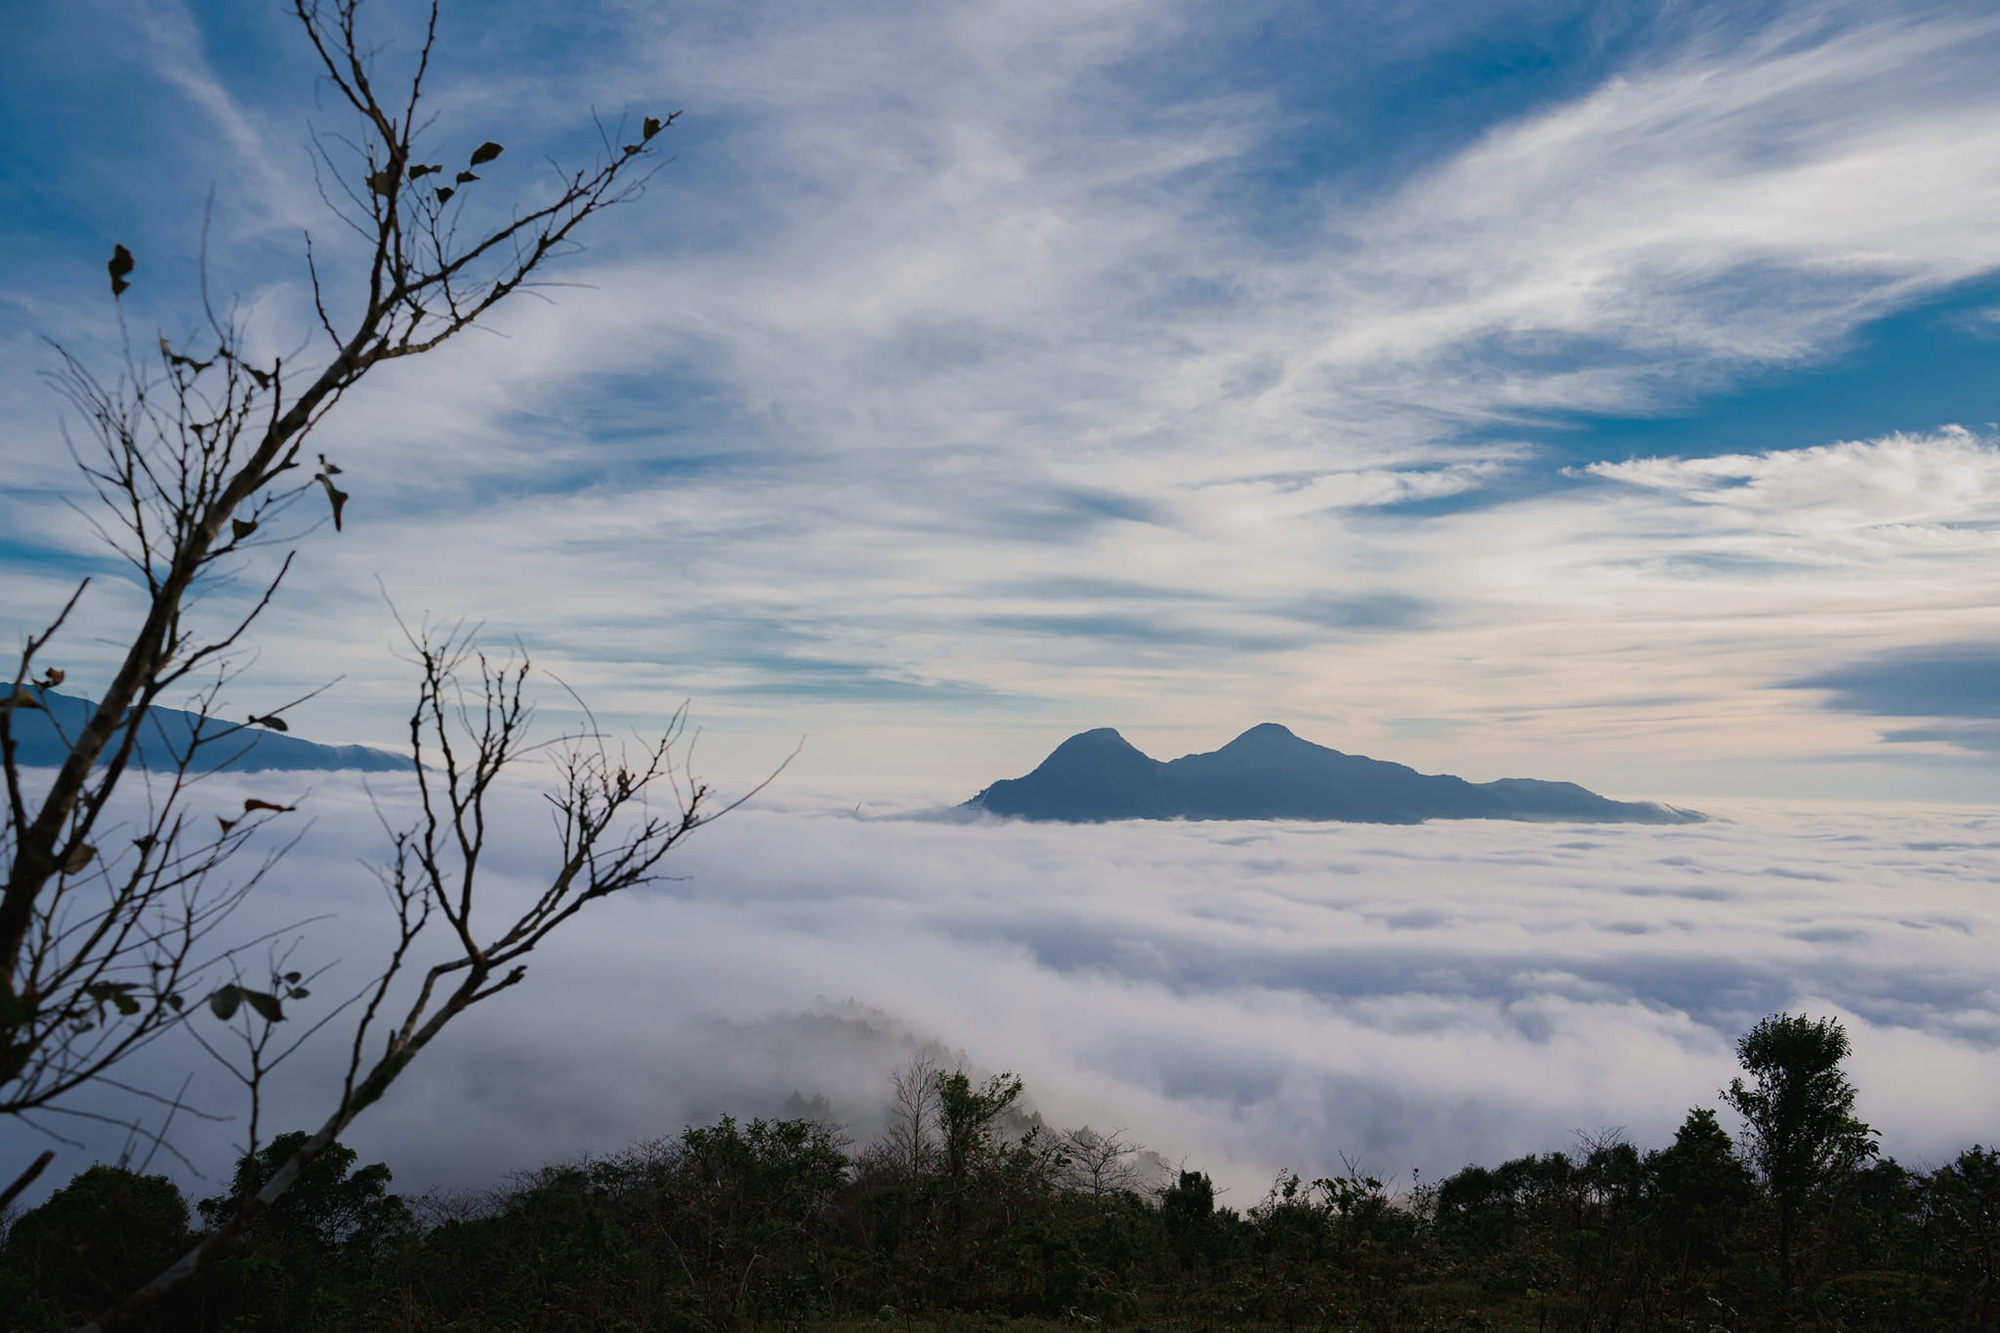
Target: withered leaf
{"points": [[120, 265], [334, 494]]}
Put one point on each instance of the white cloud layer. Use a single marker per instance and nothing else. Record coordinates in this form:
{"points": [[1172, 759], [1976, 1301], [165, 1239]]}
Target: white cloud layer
{"points": [[1244, 996]]}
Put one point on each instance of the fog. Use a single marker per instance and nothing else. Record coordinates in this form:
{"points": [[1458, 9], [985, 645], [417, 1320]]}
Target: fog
{"points": [[1239, 997]]}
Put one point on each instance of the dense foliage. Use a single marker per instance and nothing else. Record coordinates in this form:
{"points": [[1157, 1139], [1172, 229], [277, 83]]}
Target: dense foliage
{"points": [[969, 1212]]}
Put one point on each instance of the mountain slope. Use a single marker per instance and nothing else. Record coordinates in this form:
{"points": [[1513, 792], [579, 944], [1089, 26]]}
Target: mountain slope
{"points": [[1270, 773], [165, 734], [1092, 776]]}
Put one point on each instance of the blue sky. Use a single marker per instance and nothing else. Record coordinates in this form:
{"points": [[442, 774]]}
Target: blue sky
{"points": [[1601, 391]]}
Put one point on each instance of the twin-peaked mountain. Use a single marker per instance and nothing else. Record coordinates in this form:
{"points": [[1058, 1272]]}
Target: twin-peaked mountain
{"points": [[1269, 773]]}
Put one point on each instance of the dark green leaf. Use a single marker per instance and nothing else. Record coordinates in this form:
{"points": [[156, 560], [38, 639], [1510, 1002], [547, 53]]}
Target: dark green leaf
{"points": [[445, 193], [631, 148], [486, 152], [274, 722], [652, 126], [79, 857], [126, 1005], [419, 172], [383, 182], [294, 977], [465, 176], [120, 265], [224, 1002], [266, 1005], [174, 1002], [241, 527], [25, 699]]}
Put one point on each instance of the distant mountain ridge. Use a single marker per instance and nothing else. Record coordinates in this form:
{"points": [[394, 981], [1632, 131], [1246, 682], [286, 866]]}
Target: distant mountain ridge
{"points": [[165, 733], [1270, 773]]}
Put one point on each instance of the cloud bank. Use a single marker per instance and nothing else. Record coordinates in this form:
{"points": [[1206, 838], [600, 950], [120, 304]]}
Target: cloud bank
{"points": [[1242, 996]]}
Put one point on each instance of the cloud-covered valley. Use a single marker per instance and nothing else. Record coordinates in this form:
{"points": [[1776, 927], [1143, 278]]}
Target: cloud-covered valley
{"points": [[1241, 996]]}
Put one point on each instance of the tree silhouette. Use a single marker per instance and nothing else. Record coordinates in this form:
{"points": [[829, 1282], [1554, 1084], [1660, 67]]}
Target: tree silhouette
{"points": [[198, 456], [1798, 1109], [89, 1243], [966, 1114]]}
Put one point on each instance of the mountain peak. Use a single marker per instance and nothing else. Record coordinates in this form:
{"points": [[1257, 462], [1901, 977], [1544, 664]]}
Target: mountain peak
{"points": [[1267, 733], [1097, 737], [1094, 775]]}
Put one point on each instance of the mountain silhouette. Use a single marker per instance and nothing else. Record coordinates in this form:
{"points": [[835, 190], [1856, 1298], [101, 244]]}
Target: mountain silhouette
{"points": [[1270, 773], [165, 734]]}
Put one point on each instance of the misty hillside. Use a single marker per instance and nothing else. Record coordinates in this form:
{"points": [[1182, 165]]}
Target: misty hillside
{"points": [[1270, 773], [165, 735]]}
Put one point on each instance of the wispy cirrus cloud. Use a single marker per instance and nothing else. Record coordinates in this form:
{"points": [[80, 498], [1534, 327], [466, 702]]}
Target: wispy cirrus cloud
{"points": [[947, 312]]}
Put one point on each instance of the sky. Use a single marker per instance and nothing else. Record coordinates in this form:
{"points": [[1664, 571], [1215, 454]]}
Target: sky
{"points": [[1592, 391]]}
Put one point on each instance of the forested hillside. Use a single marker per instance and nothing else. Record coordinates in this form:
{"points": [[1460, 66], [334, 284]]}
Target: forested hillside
{"points": [[966, 1213]]}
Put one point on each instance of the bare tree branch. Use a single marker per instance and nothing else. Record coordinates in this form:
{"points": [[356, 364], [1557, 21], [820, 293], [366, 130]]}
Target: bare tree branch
{"points": [[116, 889]]}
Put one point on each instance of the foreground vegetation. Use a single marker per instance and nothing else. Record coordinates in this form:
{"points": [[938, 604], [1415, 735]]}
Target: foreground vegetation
{"points": [[967, 1214]]}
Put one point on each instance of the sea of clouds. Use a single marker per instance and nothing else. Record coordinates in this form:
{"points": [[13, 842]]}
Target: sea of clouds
{"points": [[1240, 997]]}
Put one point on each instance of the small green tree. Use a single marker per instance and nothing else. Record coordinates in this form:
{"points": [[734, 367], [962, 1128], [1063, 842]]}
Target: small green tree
{"points": [[91, 1241], [1187, 1213], [968, 1114], [1798, 1112], [332, 1225], [1699, 1191], [1962, 1222]]}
